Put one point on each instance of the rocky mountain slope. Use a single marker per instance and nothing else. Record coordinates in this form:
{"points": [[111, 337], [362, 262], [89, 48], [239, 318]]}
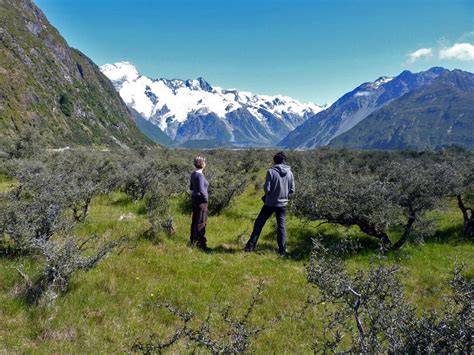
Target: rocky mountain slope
{"points": [[55, 89], [194, 111], [434, 116], [353, 107]]}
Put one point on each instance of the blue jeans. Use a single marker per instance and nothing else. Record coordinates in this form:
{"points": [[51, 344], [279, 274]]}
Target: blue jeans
{"points": [[263, 216]]}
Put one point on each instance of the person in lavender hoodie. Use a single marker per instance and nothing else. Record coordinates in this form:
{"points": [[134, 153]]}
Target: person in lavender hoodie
{"points": [[198, 187], [279, 184]]}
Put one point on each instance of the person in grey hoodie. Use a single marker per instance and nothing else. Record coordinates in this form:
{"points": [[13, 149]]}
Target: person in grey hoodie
{"points": [[279, 184]]}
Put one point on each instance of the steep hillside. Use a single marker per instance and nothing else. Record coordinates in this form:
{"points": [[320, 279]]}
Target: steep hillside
{"points": [[437, 115], [57, 90], [353, 107], [193, 110]]}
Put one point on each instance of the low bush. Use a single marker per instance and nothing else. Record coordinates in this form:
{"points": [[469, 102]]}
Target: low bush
{"points": [[367, 312]]}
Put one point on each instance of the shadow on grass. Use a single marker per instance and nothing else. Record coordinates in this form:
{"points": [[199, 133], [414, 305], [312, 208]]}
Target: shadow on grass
{"points": [[300, 239], [447, 235], [221, 249], [10, 252], [126, 202], [453, 235], [122, 201]]}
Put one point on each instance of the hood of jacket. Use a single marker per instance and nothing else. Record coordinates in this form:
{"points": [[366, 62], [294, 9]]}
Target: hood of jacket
{"points": [[281, 169]]}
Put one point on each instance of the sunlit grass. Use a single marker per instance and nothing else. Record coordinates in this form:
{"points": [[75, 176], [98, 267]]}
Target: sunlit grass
{"points": [[109, 307]]}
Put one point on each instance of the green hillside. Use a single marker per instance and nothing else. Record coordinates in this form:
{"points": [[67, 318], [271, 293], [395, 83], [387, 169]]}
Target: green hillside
{"points": [[437, 115], [54, 89]]}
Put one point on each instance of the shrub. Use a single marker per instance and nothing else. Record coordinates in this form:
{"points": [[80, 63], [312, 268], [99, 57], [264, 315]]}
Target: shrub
{"points": [[200, 334], [398, 193], [34, 210], [336, 194], [62, 258], [65, 105], [86, 176], [370, 310], [158, 212], [461, 186]]}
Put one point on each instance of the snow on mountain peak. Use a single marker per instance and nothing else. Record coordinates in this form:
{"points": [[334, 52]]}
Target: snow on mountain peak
{"points": [[167, 103], [382, 80], [121, 71]]}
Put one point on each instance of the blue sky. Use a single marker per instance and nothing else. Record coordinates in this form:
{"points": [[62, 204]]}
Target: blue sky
{"points": [[311, 50]]}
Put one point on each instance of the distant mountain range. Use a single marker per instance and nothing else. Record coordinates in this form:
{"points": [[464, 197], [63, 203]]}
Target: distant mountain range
{"points": [[434, 116], [194, 113], [375, 115], [354, 107], [47, 86]]}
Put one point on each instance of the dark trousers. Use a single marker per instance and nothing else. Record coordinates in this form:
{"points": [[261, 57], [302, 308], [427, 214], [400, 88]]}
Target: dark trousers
{"points": [[199, 222], [263, 216]]}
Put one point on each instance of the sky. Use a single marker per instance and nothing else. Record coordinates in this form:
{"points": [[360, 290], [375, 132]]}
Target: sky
{"points": [[311, 50]]}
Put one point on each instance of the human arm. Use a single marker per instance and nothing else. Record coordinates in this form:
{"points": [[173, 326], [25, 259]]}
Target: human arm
{"points": [[202, 187], [268, 183], [291, 183]]}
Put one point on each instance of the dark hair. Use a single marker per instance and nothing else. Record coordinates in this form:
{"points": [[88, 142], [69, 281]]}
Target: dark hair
{"points": [[279, 158]]}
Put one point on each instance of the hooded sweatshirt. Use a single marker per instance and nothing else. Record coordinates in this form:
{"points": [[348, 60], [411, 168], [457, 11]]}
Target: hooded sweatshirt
{"points": [[279, 183]]}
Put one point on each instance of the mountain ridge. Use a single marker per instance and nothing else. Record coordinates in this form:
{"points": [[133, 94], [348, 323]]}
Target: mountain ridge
{"points": [[177, 106], [433, 116], [53, 88], [355, 106]]}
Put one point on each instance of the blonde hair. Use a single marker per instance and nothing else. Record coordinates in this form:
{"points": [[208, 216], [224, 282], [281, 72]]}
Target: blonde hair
{"points": [[199, 162]]}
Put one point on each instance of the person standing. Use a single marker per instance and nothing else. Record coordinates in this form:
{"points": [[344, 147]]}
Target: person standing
{"points": [[199, 196], [279, 184]]}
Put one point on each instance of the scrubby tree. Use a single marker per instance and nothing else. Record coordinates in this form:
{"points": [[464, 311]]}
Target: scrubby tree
{"points": [[336, 194], [367, 312], [35, 209], [62, 257], [28, 144], [224, 185], [201, 334], [417, 187], [140, 175], [397, 193], [158, 211], [462, 185], [36, 218], [84, 175]]}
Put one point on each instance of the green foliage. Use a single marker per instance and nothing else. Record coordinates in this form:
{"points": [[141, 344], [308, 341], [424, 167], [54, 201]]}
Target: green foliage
{"points": [[113, 298], [60, 92], [393, 194], [66, 105], [372, 311]]}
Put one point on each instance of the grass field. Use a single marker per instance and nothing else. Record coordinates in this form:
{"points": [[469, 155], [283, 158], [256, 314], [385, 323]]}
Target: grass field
{"points": [[111, 306]]}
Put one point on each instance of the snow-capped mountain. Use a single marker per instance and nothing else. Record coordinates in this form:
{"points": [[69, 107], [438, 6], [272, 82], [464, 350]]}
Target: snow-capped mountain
{"points": [[189, 110], [355, 106]]}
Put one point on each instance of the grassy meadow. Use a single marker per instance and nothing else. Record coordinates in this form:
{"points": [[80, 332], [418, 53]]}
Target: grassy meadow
{"points": [[110, 307]]}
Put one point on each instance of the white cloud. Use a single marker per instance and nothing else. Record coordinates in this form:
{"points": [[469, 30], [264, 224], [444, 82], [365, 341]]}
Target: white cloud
{"points": [[420, 53], [459, 51]]}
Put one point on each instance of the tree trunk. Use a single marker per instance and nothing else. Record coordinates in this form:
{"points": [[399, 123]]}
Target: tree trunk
{"points": [[385, 241], [407, 230], [80, 217], [468, 220]]}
